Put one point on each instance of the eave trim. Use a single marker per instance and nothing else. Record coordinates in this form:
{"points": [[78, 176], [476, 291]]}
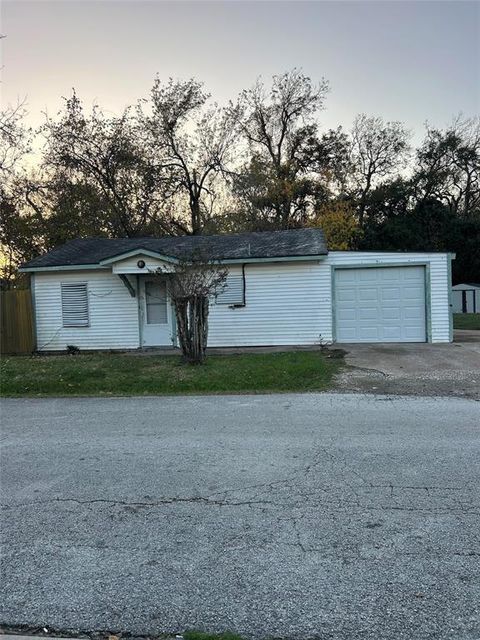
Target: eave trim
{"points": [[104, 264], [138, 252], [64, 267]]}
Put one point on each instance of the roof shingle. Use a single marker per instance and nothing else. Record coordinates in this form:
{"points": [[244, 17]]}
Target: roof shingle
{"points": [[265, 244]]}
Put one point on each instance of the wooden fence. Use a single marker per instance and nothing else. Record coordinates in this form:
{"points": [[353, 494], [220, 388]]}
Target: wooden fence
{"points": [[16, 322]]}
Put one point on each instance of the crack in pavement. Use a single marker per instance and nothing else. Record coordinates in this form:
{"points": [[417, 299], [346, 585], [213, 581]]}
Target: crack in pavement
{"points": [[156, 503], [309, 498]]}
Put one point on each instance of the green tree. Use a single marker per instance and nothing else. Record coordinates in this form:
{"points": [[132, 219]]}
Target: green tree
{"points": [[339, 224], [279, 127], [448, 167], [106, 153]]}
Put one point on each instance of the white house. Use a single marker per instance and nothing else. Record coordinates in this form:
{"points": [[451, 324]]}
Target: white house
{"points": [[283, 288], [466, 298]]}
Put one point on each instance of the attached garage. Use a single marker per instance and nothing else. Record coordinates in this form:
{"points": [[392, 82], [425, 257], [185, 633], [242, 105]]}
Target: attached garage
{"points": [[380, 304]]}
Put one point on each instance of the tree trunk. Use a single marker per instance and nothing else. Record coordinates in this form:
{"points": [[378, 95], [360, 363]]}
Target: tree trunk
{"points": [[195, 209], [192, 326], [363, 201], [196, 220]]}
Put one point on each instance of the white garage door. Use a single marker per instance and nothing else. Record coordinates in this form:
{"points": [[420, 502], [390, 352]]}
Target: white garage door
{"points": [[380, 304]]}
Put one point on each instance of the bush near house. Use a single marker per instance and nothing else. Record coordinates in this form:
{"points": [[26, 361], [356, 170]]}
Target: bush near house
{"points": [[114, 374], [466, 321]]}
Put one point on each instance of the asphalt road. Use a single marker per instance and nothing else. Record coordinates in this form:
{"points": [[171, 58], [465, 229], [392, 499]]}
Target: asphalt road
{"points": [[296, 516]]}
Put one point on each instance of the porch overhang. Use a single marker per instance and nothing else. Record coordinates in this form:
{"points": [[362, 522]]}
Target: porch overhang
{"points": [[139, 262]]}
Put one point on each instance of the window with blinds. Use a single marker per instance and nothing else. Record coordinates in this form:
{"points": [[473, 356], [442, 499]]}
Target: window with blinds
{"points": [[233, 292], [75, 304]]}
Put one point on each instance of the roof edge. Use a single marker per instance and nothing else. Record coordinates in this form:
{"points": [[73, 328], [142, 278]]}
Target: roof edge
{"points": [[62, 267], [104, 265]]}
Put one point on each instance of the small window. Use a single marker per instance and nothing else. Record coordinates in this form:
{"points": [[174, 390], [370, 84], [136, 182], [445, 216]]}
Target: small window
{"points": [[234, 291], [74, 304], [156, 302]]}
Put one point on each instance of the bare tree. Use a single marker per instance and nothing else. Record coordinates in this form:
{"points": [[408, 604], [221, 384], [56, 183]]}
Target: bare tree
{"points": [[379, 149], [192, 142], [14, 138], [279, 125], [194, 281]]}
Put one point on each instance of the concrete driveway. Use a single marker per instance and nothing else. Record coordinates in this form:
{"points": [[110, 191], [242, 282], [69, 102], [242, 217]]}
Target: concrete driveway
{"points": [[300, 516], [415, 369]]}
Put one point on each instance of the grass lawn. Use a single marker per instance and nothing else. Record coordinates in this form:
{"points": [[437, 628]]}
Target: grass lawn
{"points": [[111, 374], [466, 321], [200, 635]]}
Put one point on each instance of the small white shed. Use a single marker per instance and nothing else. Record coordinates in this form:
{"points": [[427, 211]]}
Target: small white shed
{"points": [[283, 288], [466, 298]]}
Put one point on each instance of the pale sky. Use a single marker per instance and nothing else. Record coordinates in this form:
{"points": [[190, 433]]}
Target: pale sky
{"points": [[408, 61]]}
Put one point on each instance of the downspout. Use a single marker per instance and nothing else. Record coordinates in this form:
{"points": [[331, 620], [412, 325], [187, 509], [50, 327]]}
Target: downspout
{"points": [[244, 283]]}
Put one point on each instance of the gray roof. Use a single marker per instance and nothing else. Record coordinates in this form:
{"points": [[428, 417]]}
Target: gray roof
{"points": [[475, 285], [240, 246]]}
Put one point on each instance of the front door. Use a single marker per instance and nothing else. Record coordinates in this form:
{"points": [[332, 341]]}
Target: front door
{"points": [[156, 313]]}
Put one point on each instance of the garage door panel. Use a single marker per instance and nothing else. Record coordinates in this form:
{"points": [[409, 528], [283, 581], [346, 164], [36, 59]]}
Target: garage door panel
{"points": [[367, 295], [368, 275], [413, 274], [346, 276], [366, 314], [380, 304], [347, 318], [369, 334], [347, 295], [390, 294], [411, 334], [394, 313], [413, 293], [413, 313], [347, 334], [386, 275], [391, 333]]}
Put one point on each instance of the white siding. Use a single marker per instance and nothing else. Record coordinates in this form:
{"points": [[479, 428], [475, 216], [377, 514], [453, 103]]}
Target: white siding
{"points": [[292, 303], [285, 305], [113, 313], [129, 265]]}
